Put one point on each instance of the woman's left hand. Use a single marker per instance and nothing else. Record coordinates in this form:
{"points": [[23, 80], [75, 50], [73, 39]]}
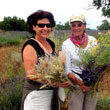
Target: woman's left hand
{"points": [[84, 88], [64, 85]]}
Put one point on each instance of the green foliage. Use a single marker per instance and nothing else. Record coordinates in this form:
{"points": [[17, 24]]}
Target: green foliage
{"points": [[11, 94], [103, 103], [14, 23], [8, 39], [104, 4], [99, 55], [5, 41], [60, 26], [11, 90], [106, 11], [104, 26], [67, 26], [16, 66], [95, 61], [97, 3], [104, 44]]}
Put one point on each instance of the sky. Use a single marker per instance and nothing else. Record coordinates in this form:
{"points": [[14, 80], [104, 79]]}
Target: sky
{"points": [[61, 9]]}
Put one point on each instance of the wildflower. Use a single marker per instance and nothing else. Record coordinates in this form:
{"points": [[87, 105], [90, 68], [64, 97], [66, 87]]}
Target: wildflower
{"points": [[108, 32], [108, 41], [94, 51], [99, 33], [95, 62]]}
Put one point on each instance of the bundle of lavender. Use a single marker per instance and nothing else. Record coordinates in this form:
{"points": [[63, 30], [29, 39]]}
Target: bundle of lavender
{"points": [[95, 62], [50, 69]]}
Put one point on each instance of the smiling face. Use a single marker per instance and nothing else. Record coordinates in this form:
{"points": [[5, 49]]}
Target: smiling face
{"points": [[77, 28], [42, 28]]}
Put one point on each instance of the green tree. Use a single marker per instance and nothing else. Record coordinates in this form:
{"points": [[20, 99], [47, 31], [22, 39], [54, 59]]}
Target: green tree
{"points": [[60, 26], [14, 23], [104, 4], [67, 25], [104, 26]]}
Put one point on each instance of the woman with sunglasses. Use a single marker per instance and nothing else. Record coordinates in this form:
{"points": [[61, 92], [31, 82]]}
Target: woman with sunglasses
{"points": [[81, 98], [40, 25]]}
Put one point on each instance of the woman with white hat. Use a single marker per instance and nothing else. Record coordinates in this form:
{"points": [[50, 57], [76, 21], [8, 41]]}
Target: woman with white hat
{"points": [[81, 98]]}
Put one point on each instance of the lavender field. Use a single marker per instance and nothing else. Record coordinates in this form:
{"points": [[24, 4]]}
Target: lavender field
{"points": [[12, 71]]}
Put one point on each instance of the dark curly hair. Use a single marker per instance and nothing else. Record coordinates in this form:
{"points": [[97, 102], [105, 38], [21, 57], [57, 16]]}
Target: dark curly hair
{"points": [[40, 14]]}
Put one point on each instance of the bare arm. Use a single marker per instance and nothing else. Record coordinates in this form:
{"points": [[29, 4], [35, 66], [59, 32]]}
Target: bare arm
{"points": [[30, 60], [78, 82]]}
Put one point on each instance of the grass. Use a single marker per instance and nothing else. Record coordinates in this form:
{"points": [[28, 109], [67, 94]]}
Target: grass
{"points": [[12, 76], [6, 41], [103, 103]]}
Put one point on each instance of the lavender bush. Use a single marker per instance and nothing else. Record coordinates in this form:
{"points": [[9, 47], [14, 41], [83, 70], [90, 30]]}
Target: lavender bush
{"points": [[11, 93]]}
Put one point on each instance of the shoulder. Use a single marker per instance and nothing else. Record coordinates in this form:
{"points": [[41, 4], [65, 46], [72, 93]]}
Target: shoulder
{"points": [[91, 38], [29, 53], [66, 42], [30, 42], [67, 45], [28, 48]]}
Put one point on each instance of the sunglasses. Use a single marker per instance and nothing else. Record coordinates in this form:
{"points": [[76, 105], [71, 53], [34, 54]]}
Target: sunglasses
{"points": [[43, 25], [78, 25]]}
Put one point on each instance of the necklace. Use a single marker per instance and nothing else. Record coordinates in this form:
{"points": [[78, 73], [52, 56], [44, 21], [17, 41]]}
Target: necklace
{"points": [[80, 43]]}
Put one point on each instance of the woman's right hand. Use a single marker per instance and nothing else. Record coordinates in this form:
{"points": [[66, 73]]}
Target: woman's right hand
{"points": [[84, 88], [63, 85], [78, 82]]}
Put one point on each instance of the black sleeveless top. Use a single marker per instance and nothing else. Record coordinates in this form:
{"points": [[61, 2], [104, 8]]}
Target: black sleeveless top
{"points": [[40, 52], [30, 85]]}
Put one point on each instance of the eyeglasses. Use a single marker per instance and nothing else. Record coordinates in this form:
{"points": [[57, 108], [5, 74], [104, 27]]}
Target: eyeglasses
{"points": [[78, 25], [43, 25]]}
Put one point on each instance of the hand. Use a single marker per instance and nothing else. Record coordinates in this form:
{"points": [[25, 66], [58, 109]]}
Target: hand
{"points": [[84, 88], [64, 85]]}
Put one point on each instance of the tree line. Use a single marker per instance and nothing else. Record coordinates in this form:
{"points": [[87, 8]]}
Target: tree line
{"points": [[13, 23], [18, 24]]}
